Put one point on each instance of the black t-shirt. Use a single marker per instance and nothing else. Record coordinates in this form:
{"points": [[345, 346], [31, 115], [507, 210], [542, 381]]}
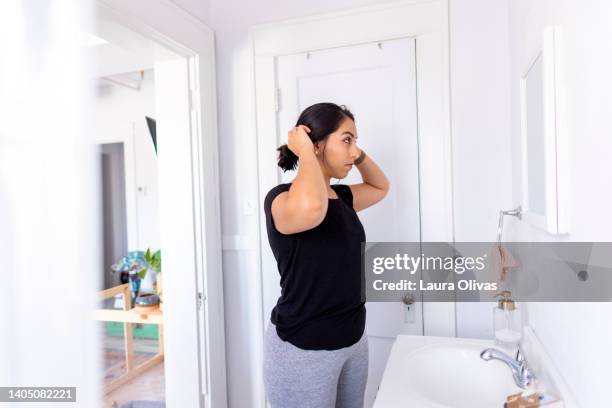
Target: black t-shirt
{"points": [[321, 306]]}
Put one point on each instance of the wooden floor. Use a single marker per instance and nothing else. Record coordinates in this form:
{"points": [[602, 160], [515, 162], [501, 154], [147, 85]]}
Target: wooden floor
{"points": [[147, 387]]}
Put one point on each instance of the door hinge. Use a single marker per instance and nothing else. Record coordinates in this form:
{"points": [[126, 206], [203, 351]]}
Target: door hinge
{"points": [[277, 100], [201, 299]]}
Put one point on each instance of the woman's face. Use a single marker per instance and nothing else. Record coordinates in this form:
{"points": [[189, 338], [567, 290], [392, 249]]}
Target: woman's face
{"points": [[338, 152]]}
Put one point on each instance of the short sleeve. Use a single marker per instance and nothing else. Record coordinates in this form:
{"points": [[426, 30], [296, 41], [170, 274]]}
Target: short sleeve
{"points": [[344, 192], [268, 203]]}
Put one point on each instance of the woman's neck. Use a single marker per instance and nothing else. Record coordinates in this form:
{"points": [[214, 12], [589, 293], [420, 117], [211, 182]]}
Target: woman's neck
{"points": [[327, 178], [331, 193]]}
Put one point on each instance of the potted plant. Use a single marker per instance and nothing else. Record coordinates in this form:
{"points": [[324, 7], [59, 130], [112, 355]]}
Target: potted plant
{"points": [[154, 262], [141, 270]]}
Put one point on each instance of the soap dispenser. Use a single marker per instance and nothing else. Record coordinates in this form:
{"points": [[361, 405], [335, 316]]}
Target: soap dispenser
{"points": [[507, 320]]}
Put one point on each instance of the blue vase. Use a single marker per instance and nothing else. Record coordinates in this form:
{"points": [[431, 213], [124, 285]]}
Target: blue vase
{"points": [[134, 286]]}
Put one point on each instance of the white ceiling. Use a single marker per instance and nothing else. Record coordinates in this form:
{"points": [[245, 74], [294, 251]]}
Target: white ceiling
{"points": [[125, 51]]}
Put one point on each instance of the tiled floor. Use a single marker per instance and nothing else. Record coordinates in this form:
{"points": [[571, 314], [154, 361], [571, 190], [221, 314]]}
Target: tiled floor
{"points": [[147, 387]]}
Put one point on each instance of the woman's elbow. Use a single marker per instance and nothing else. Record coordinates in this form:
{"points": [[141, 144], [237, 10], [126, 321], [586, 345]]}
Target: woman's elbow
{"points": [[386, 189], [315, 211]]}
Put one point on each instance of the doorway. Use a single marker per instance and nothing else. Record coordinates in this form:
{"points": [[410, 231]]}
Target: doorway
{"points": [[384, 105], [156, 54], [132, 349], [114, 226]]}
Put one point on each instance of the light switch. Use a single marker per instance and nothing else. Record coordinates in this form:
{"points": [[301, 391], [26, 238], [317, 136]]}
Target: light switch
{"points": [[409, 313]]}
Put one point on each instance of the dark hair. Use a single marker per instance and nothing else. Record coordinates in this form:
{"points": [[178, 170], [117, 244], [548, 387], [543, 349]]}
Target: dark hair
{"points": [[322, 119]]}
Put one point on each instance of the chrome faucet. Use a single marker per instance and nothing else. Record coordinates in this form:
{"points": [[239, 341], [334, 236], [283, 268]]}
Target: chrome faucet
{"points": [[522, 374]]}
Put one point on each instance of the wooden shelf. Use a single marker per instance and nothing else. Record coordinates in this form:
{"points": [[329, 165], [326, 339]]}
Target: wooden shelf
{"points": [[129, 316]]}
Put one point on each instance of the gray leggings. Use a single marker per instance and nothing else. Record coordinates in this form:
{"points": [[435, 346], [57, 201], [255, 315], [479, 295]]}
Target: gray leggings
{"points": [[296, 378]]}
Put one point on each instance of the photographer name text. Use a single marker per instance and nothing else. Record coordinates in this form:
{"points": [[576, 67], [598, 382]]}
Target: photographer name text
{"points": [[406, 285]]}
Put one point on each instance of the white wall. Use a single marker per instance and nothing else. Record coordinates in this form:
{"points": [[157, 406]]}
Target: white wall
{"points": [[49, 241], [577, 336], [197, 8], [480, 130], [115, 103]]}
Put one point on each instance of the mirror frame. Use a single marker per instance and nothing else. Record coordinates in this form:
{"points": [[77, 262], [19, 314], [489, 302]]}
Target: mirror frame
{"points": [[554, 219]]}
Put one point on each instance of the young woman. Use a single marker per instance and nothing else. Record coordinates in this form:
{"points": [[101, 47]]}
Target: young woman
{"points": [[316, 349]]}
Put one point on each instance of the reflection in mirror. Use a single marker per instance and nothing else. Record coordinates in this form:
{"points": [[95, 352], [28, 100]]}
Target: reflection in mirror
{"points": [[130, 313]]}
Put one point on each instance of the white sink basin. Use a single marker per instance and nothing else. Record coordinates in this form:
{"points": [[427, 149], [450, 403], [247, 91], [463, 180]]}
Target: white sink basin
{"points": [[439, 372]]}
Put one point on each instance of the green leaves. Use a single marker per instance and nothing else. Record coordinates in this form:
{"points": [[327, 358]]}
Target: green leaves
{"points": [[154, 260]]}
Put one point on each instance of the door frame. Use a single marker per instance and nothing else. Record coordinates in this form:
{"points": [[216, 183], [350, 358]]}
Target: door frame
{"points": [[195, 371], [425, 20]]}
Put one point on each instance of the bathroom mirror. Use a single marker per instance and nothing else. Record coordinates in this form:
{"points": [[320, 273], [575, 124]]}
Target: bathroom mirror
{"points": [[542, 143]]}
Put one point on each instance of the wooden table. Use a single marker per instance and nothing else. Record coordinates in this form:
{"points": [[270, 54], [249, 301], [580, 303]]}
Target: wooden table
{"points": [[130, 316]]}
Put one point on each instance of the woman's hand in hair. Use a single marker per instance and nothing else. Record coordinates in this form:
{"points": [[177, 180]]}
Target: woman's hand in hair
{"points": [[299, 140]]}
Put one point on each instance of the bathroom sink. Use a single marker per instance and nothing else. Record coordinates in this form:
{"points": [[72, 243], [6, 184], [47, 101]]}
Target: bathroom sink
{"points": [[439, 372]]}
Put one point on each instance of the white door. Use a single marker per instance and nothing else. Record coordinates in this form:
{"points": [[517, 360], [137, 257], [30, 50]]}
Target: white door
{"points": [[377, 82], [191, 352]]}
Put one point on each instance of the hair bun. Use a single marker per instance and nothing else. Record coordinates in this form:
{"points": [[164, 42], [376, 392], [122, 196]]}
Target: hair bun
{"points": [[287, 160]]}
